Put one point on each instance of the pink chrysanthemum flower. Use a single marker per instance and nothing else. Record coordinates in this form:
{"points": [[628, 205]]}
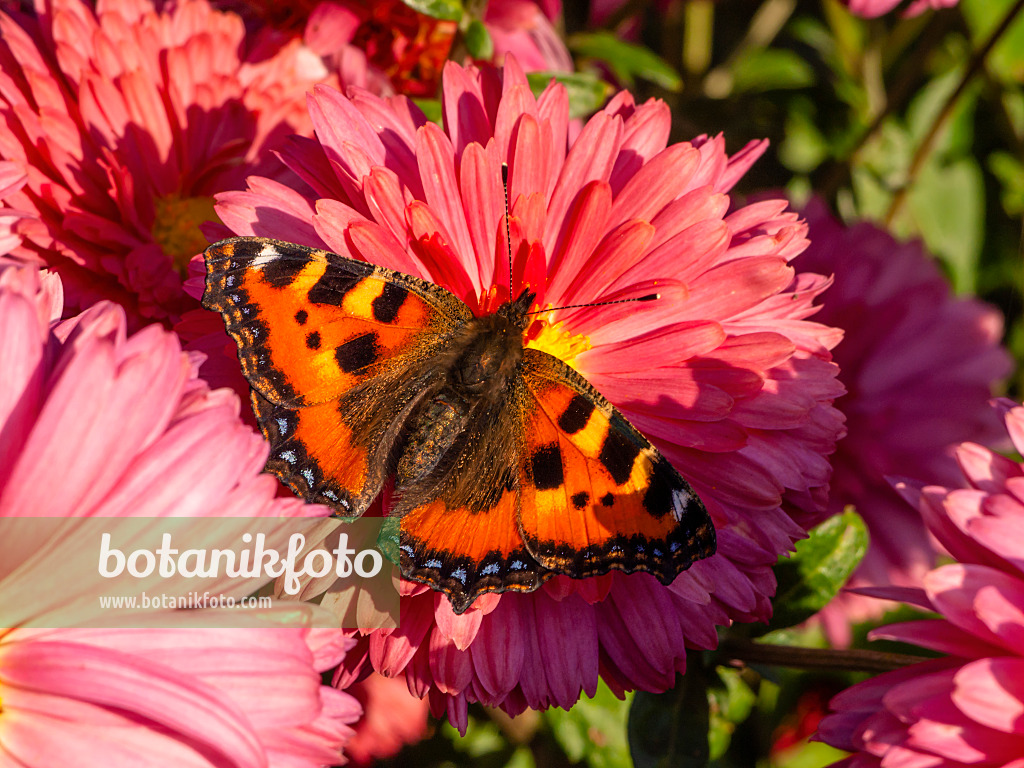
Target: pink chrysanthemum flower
{"points": [[918, 366], [872, 8], [12, 178], [187, 696], [965, 708], [94, 423], [724, 373], [127, 121]]}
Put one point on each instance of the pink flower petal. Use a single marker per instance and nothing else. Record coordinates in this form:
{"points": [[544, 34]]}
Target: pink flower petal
{"points": [[991, 692]]}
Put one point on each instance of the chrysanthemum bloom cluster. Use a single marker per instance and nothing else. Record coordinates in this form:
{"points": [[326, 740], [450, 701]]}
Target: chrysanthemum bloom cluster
{"points": [[965, 708], [127, 121], [723, 373], [95, 423], [872, 8], [390, 48], [918, 366]]}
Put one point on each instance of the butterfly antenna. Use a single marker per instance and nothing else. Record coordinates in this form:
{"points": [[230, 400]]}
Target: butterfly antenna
{"points": [[508, 238], [648, 297], [508, 231]]}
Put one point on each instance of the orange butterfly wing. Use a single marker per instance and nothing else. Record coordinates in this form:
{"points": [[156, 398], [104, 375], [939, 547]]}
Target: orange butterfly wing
{"points": [[334, 350], [467, 554], [595, 494], [459, 533]]}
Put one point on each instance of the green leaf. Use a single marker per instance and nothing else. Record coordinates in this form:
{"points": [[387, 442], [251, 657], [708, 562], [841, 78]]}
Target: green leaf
{"points": [[478, 41], [593, 731], [811, 754], [521, 758], [804, 147], [956, 135], [821, 565], [387, 540], [1009, 169], [947, 202], [730, 702], [431, 109], [670, 730], [587, 93], [769, 69], [482, 738], [626, 60], [1006, 60], [446, 10]]}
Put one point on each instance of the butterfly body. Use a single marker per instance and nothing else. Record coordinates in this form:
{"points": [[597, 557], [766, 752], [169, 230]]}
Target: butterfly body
{"points": [[508, 466], [483, 357]]}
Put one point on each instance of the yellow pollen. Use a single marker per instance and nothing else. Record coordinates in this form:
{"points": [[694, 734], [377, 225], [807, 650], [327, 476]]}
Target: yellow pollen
{"points": [[176, 227], [554, 339]]}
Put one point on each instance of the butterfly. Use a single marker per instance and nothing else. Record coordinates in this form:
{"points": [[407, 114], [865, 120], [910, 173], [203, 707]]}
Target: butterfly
{"points": [[508, 466]]}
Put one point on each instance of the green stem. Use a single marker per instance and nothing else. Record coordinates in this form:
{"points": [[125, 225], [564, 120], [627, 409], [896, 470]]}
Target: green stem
{"points": [[698, 34], [767, 22], [796, 657], [974, 66]]}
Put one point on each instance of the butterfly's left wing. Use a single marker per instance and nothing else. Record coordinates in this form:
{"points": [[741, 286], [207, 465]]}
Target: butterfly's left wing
{"points": [[337, 352], [595, 494]]}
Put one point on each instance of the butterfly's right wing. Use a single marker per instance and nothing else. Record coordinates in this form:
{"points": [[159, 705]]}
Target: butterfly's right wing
{"points": [[596, 495], [337, 353]]}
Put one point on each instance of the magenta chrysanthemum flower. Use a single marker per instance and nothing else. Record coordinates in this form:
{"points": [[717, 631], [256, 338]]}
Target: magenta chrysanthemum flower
{"points": [[94, 423], [918, 366], [127, 121], [724, 373], [872, 8], [965, 708]]}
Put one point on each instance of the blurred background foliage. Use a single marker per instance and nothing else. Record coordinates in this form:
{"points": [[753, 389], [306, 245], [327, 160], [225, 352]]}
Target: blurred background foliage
{"points": [[914, 123]]}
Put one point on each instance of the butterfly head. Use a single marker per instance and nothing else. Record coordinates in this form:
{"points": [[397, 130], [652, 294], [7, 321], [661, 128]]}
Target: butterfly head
{"points": [[490, 348], [515, 312]]}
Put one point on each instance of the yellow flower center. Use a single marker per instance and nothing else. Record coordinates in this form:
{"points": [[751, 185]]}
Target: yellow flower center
{"points": [[553, 338], [176, 228]]}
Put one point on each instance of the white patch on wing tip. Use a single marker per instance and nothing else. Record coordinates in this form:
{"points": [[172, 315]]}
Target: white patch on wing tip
{"points": [[267, 254], [680, 500]]}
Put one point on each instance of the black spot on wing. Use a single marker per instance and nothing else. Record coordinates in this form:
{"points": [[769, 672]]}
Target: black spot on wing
{"points": [[313, 340], [301, 317], [618, 454], [547, 467], [280, 271], [576, 414], [385, 307], [332, 287], [608, 499], [658, 497], [357, 353], [579, 500]]}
